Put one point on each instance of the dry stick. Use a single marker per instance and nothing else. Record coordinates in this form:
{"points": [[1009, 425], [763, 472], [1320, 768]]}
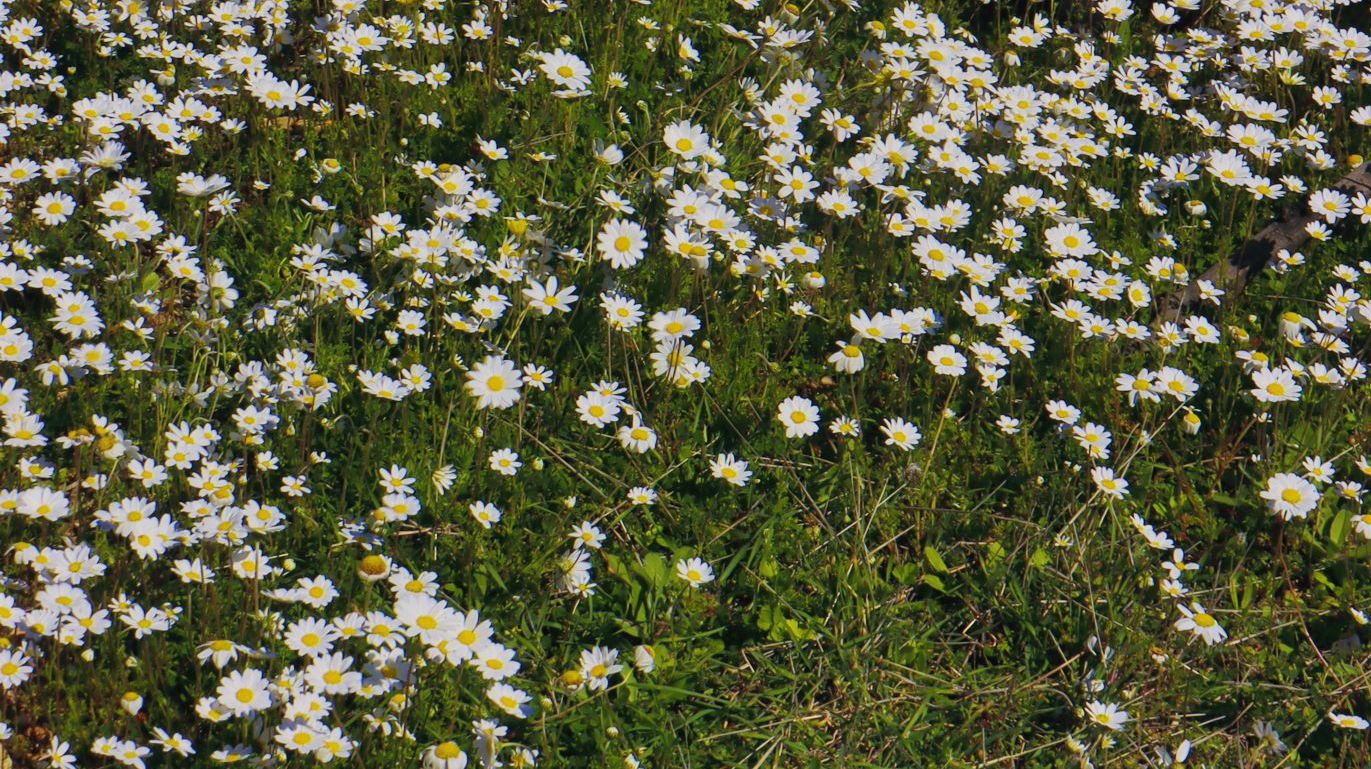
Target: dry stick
{"points": [[1285, 234]]}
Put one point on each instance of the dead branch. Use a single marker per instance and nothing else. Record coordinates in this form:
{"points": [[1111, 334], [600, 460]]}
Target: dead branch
{"points": [[1285, 234]]}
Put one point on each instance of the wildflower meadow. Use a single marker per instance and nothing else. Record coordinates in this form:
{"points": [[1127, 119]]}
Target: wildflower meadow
{"points": [[682, 384]]}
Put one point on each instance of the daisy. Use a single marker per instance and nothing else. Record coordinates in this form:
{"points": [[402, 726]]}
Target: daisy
{"points": [[799, 416], [1274, 385], [1108, 483], [730, 469], [685, 139], [566, 71], [505, 462], [243, 692], [1201, 623], [587, 535], [597, 665], [1108, 715], [638, 437], [694, 571], [1061, 411], [1069, 240], [596, 410], [1290, 496], [846, 427], [53, 208], [947, 361], [494, 382], [641, 495], [622, 243], [496, 662], [1268, 738], [621, 313], [485, 513], [297, 736], [444, 755], [900, 433], [15, 668], [549, 297], [847, 359], [1347, 721], [513, 702], [674, 325], [443, 478]]}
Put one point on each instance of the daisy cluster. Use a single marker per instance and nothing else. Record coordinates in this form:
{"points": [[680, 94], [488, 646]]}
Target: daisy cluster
{"points": [[299, 449]]}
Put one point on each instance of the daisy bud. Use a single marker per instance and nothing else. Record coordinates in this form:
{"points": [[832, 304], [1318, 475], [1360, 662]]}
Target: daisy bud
{"points": [[1191, 421], [644, 658], [131, 702]]}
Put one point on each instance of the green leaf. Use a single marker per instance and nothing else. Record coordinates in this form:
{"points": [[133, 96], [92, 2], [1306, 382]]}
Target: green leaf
{"points": [[906, 574], [1323, 579], [768, 568], [656, 570], [796, 632], [994, 554], [1341, 526], [935, 561], [766, 618]]}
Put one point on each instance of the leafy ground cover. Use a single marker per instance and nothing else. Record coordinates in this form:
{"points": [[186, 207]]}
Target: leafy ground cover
{"points": [[682, 384]]}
